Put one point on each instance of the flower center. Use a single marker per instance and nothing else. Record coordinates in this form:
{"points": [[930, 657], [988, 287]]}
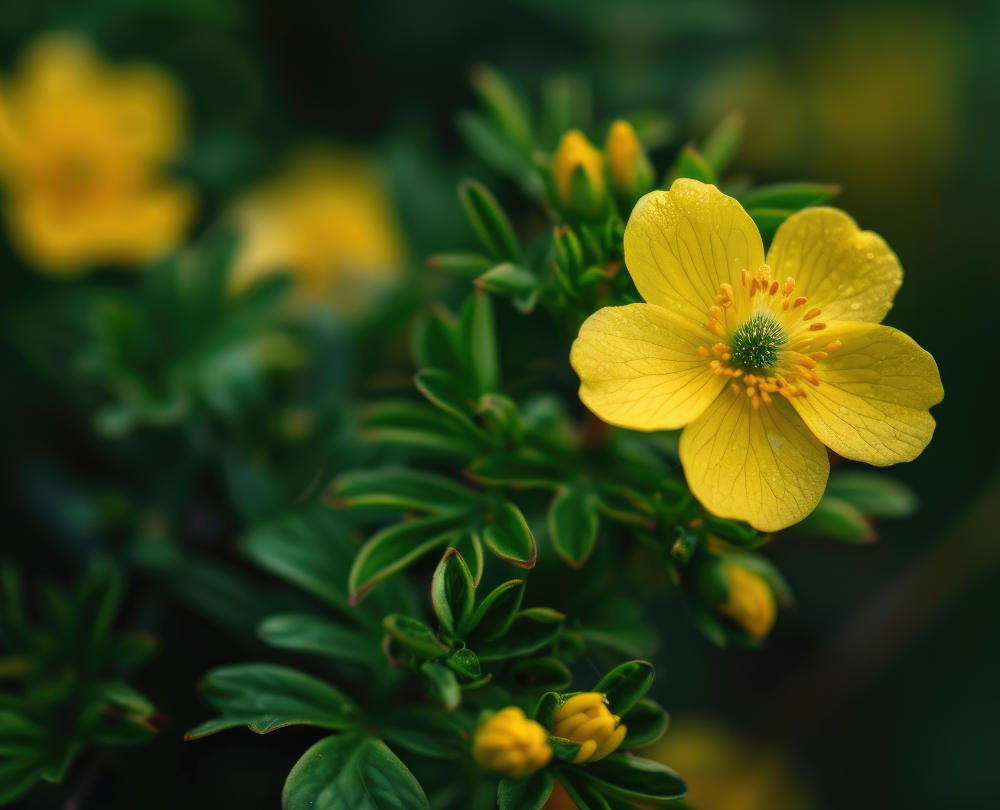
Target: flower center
{"points": [[769, 338], [756, 343]]}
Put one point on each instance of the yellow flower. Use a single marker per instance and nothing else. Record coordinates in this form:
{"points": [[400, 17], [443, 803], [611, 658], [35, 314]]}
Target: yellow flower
{"points": [[725, 772], [326, 221], [585, 719], [578, 173], [751, 603], [511, 744], [82, 150], [631, 172], [763, 362]]}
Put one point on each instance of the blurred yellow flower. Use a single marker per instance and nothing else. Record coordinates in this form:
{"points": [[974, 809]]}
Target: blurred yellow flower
{"points": [[578, 173], [724, 771], [511, 744], [586, 719], [763, 362], [83, 145], [327, 221], [751, 603]]}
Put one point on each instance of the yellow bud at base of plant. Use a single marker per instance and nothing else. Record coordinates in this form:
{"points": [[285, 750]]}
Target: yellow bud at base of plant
{"points": [[631, 172], [586, 719], [511, 744], [578, 173], [751, 603]]}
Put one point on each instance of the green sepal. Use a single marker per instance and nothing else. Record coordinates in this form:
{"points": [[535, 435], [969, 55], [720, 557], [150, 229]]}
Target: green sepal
{"points": [[563, 749]]}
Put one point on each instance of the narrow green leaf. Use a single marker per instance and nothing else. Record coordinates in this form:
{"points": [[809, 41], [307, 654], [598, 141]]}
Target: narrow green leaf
{"points": [[791, 196], [508, 279], [427, 731], [464, 662], [722, 144], [403, 489], [396, 547], [265, 697], [452, 592], [509, 537], [839, 520], [768, 220], [470, 547], [689, 163], [530, 631], [303, 632], [351, 771], [626, 685], [545, 711], [413, 634], [508, 108], [630, 777], [443, 684], [489, 221], [449, 393], [516, 471], [645, 722], [539, 675], [874, 494], [573, 524], [479, 337], [497, 611], [470, 265], [529, 793]]}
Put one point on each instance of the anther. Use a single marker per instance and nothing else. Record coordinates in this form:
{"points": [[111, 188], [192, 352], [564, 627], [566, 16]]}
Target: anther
{"points": [[789, 286], [806, 361], [819, 355], [715, 313], [715, 364], [738, 372], [735, 389], [727, 291], [751, 391], [812, 313], [832, 347], [765, 396], [719, 348], [703, 351], [743, 277], [800, 300], [774, 287], [751, 380], [756, 404], [726, 357], [816, 327], [785, 304]]}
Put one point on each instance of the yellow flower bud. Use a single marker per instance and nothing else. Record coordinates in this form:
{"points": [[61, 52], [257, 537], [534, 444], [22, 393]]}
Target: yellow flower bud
{"points": [[511, 744], [631, 172], [586, 719], [751, 602], [578, 173]]}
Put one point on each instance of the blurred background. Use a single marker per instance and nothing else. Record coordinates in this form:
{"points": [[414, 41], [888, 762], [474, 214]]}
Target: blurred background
{"points": [[881, 689]]}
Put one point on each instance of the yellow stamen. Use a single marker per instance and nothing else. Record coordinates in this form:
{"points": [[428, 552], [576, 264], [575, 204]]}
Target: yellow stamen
{"points": [[808, 362], [736, 389], [774, 287], [800, 300], [832, 347], [703, 351], [819, 355], [789, 286], [812, 313], [816, 327]]}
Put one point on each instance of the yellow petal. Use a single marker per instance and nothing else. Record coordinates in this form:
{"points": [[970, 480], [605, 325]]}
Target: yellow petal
{"points": [[680, 245], [874, 394], [762, 466], [850, 274], [639, 367]]}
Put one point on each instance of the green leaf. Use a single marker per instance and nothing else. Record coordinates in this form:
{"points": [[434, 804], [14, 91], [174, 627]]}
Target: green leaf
{"points": [[478, 335], [465, 663], [508, 279], [622, 630], [436, 340], [645, 722], [874, 494], [528, 793], [573, 524], [721, 145], [18, 776], [839, 520], [308, 548], [485, 139], [470, 547], [565, 750], [768, 220], [443, 684], [626, 685], [417, 426], [403, 489], [509, 537], [489, 221], [736, 530], [508, 108], [791, 196], [449, 393], [629, 777], [303, 632], [413, 634], [512, 470], [689, 163], [497, 611], [539, 675], [545, 710], [351, 771], [470, 265], [265, 697], [530, 631], [453, 593], [396, 547], [427, 731]]}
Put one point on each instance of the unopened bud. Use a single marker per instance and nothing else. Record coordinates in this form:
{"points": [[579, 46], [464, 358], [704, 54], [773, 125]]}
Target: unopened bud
{"points": [[578, 174], [751, 603], [511, 744], [631, 171], [586, 719]]}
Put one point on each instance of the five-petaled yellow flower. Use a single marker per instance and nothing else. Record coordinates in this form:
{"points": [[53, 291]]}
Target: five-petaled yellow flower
{"points": [[82, 151], [327, 221], [761, 361]]}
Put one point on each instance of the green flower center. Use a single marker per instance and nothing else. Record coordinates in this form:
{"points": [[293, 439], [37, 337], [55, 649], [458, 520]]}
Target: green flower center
{"points": [[756, 342]]}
